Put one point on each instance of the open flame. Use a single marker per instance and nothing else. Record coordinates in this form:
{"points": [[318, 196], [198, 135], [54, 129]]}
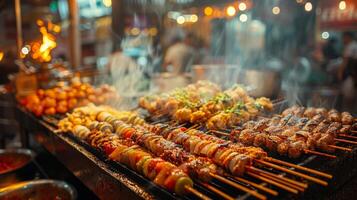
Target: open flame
{"points": [[41, 49]]}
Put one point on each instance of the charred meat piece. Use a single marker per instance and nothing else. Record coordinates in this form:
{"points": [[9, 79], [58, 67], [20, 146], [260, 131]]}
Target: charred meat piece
{"points": [[345, 129], [261, 125], [321, 111], [310, 112], [283, 148], [322, 127], [272, 142], [346, 118], [296, 149], [324, 142], [260, 140], [247, 136], [333, 116]]}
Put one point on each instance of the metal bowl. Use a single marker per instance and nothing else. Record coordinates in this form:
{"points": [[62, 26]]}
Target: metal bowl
{"points": [[265, 83], [15, 165], [14, 159], [39, 190]]}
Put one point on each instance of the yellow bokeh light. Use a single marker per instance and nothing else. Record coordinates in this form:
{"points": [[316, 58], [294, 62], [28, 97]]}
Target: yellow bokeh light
{"points": [[135, 31], [208, 11], [180, 20], [193, 18], [153, 31], [1, 55], [56, 28], [107, 3], [231, 11], [342, 5], [276, 10], [39, 22]]}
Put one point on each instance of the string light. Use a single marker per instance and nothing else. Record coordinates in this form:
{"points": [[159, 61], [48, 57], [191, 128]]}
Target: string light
{"points": [[308, 6], [342, 5], [276, 10], [231, 11], [1, 55], [208, 11], [242, 6]]}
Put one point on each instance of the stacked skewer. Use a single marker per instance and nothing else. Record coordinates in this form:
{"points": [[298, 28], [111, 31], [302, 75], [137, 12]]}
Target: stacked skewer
{"points": [[298, 131], [206, 105], [160, 152]]}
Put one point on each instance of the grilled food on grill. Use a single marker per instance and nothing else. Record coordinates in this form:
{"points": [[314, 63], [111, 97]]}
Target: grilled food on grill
{"points": [[217, 110], [331, 115], [232, 157], [161, 140], [296, 130], [161, 172], [190, 97], [149, 136], [87, 114]]}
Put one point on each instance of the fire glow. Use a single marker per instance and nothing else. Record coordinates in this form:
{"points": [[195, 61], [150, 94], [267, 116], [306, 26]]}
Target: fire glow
{"points": [[41, 50]]}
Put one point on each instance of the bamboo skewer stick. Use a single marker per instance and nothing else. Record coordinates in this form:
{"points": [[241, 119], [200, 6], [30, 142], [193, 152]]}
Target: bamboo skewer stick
{"points": [[219, 132], [196, 193], [260, 187], [181, 125], [198, 127], [320, 154], [345, 141], [340, 148], [348, 136], [300, 167], [238, 186], [284, 187], [282, 182], [193, 127], [282, 178], [316, 180], [217, 191]]}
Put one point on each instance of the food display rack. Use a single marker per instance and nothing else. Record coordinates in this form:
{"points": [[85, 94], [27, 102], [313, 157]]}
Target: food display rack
{"points": [[109, 180]]}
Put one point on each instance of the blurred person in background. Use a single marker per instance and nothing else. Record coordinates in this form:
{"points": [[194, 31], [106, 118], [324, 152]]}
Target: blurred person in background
{"points": [[347, 71], [180, 55]]}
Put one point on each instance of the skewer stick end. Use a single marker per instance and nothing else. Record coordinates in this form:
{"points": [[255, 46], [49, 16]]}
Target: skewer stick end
{"points": [[196, 193]]}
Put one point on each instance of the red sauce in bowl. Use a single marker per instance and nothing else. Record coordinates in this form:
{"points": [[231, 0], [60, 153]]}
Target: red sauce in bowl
{"points": [[12, 161]]}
